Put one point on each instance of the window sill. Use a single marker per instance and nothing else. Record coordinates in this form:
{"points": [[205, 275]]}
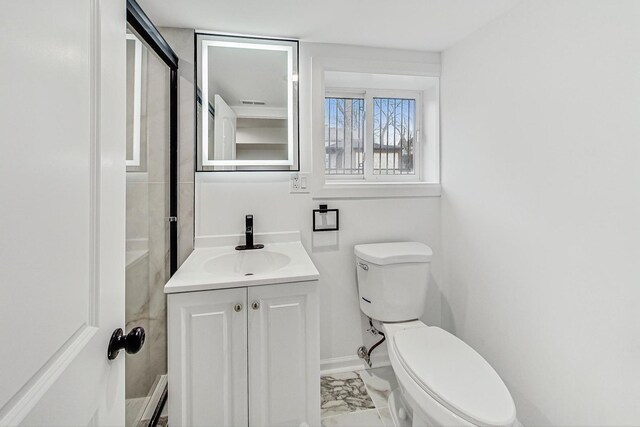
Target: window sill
{"points": [[376, 190]]}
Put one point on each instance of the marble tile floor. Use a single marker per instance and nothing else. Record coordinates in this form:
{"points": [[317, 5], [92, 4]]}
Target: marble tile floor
{"points": [[163, 421], [357, 398], [351, 399]]}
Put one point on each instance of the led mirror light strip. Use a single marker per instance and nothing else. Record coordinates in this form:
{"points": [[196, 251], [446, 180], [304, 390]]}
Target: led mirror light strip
{"points": [[206, 161], [137, 95]]}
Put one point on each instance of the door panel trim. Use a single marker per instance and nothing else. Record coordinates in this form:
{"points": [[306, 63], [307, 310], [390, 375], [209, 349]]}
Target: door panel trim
{"points": [[19, 406], [187, 314], [94, 184], [27, 396]]}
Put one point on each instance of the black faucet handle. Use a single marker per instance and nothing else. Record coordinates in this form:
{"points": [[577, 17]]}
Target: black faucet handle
{"points": [[248, 232]]}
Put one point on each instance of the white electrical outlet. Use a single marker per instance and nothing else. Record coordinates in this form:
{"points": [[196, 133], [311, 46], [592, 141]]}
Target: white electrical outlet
{"points": [[299, 182]]}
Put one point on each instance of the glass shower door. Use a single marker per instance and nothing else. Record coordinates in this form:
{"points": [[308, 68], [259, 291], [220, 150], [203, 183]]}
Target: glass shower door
{"points": [[148, 252]]}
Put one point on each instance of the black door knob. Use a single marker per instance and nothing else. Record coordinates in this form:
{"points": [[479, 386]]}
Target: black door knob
{"points": [[131, 343]]}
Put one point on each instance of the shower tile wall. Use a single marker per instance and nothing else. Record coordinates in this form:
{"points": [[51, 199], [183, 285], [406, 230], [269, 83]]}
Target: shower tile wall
{"points": [[137, 292], [147, 234], [181, 41], [147, 209], [147, 239]]}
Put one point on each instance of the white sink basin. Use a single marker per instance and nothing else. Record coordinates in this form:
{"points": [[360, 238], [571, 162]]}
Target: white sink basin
{"points": [[247, 263], [221, 267]]}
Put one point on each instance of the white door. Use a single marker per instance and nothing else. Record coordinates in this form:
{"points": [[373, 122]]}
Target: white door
{"points": [[62, 187], [284, 355], [208, 358], [224, 130]]}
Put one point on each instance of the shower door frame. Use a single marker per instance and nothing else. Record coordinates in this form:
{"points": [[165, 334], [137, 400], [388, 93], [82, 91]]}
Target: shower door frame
{"points": [[140, 22]]}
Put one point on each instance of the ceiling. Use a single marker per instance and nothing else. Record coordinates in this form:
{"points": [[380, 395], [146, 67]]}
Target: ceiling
{"points": [[428, 25]]}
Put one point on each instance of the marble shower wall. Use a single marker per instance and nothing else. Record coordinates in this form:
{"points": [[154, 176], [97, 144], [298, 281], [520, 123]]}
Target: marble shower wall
{"points": [[182, 43], [148, 234], [147, 210]]}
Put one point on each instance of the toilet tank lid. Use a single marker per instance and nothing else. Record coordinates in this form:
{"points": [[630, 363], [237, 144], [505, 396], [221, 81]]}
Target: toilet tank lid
{"points": [[394, 252]]}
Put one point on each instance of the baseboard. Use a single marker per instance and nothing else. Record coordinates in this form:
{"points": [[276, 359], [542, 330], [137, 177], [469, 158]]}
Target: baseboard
{"points": [[351, 363]]}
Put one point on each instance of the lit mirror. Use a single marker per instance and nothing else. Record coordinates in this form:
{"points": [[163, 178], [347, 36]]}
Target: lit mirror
{"points": [[247, 103]]}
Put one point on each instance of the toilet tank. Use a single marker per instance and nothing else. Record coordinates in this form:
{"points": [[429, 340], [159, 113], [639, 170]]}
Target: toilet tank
{"points": [[393, 279]]}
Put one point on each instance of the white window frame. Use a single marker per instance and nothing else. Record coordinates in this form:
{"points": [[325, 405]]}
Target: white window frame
{"points": [[322, 60], [353, 94], [368, 95]]}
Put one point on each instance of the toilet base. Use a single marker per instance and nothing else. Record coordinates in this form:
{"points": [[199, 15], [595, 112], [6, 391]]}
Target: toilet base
{"points": [[401, 414]]}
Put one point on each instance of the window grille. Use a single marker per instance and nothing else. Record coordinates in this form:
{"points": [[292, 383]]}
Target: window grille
{"points": [[394, 130], [344, 136]]}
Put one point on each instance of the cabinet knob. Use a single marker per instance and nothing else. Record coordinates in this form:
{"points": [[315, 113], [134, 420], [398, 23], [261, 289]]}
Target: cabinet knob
{"points": [[237, 307], [255, 305]]}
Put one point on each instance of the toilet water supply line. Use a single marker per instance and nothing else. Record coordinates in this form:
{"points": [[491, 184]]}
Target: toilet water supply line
{"points": [[362, 351]]}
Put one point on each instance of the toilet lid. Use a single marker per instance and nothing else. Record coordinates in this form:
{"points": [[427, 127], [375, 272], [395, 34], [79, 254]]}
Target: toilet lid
{"points": [[455, 375], [394, 252]]}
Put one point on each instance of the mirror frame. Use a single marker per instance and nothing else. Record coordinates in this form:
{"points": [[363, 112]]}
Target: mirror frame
{"points": [[202, 41]]}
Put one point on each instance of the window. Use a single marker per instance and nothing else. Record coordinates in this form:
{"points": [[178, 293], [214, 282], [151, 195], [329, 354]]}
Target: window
{"points": [[394, 129], [344, 136], [384, 149], [375, 135]]}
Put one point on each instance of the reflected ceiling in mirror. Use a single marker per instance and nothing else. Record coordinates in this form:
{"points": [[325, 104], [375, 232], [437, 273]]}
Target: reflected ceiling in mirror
{"points": [[250, 89]]}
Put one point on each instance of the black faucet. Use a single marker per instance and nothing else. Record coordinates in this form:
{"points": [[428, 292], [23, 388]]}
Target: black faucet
{"points": [[248, 232]]}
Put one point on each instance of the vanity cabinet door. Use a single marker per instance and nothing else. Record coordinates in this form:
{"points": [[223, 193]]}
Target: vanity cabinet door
{"points": [[284, 355], [207, 334]]}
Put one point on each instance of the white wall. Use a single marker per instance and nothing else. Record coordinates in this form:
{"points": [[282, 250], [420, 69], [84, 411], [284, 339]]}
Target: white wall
{"points": [[541, 206], [222, 200]]}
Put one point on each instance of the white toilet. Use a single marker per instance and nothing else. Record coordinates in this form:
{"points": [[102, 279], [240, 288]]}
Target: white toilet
{"points": [[443, 381]]}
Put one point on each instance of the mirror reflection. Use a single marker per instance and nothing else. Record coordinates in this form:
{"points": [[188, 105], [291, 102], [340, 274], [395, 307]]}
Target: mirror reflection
{"points": [[136, 104], [249, 89]]}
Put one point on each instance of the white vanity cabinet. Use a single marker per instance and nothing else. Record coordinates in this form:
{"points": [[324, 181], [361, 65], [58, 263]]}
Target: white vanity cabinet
{"points": [[207, 356], [245, 356]]}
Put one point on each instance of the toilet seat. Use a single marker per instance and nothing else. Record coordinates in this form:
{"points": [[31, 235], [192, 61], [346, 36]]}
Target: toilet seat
{"points": [[454, 375]]}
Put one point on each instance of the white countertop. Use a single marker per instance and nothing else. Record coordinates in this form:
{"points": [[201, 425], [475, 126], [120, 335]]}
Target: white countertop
{"points": [[206, 269]]}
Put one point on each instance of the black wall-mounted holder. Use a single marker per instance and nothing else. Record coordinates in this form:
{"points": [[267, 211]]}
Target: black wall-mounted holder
{"points": [[326, 219]]}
